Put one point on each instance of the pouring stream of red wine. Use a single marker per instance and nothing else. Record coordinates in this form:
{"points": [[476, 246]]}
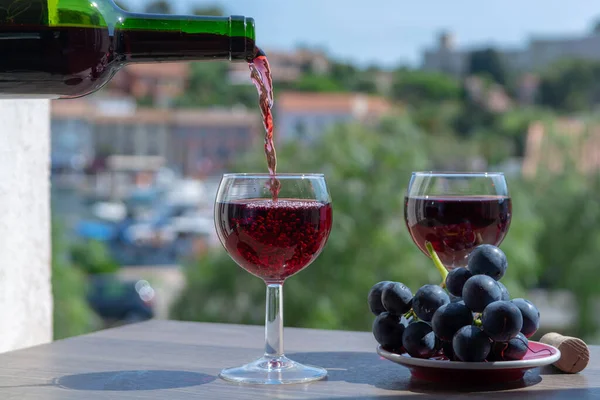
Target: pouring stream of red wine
{"points": [[260, 73]]}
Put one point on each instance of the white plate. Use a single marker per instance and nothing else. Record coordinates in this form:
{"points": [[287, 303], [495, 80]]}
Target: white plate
{"points": [[439, 369]]}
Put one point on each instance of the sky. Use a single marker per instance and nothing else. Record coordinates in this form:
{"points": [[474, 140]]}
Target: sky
{"points": [[392, 32]]}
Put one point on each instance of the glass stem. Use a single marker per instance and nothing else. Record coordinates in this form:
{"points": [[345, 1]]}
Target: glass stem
{"points": [[274, 321]]}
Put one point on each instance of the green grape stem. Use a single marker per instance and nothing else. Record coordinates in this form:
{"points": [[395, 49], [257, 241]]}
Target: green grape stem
{"points": [[410, 314], [477, 322], [438, 263]]}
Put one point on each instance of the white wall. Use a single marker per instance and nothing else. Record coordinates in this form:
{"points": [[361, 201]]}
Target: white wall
{"points": [[25, 287]]}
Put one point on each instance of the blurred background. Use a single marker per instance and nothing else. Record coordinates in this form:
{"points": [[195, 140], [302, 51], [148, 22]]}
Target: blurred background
{"points": [[365, 93]]}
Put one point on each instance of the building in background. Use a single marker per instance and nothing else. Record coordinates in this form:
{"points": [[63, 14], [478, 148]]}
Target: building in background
{"points": [[204, 142], [446, 58], [72, 138], [539, 53], [193, 142], [157, 84], [306, 116]]}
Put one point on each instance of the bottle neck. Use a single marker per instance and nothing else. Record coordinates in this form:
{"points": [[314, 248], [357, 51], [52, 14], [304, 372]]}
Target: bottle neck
{"points": [[170, 38]]}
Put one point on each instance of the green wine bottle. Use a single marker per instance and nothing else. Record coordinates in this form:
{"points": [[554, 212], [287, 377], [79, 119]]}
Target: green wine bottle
{"points": [[71, 48]]}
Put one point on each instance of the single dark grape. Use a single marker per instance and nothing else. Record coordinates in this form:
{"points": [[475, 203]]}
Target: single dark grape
{"points": [[427, 300], [449, 318], [471, 344], [515, 349], [504, 290], [388, 330], [438, 343], [501, 320], [419, 340], [448, 351], [487, 260], [374, 298], [454, 299], [531, 316], [495, 353], [396, 298], [455, 280], [479, 291], [459, 301]]}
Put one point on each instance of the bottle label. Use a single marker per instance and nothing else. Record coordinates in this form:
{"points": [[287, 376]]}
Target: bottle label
{"points": [[24, 12]]}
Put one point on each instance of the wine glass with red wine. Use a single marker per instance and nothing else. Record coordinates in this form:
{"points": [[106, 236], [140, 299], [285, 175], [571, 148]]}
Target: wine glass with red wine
{"points": [[273, 236], [457, 211]]}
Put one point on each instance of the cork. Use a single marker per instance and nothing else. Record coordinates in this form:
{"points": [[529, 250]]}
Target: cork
{"points": [[575, 354]]}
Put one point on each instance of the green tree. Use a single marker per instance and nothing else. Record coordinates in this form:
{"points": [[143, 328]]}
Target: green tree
{"points": [[209, 85], [571, 85], [436, 118], [93, 257], [513, 126], [318, 83], [368, 243], [159, 7], [487, 62], [472, 118], [571, 259], [213, 10], [354, 79], [365, 84], [343, 72], [72, 314], [368, 169], [418, 87], [569, 244], [596, 27]]}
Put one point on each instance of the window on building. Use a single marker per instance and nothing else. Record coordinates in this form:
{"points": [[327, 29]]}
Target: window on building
{"points": [[223, 152], [105, 138], [129, 140], [154, 140], [300, 129]]}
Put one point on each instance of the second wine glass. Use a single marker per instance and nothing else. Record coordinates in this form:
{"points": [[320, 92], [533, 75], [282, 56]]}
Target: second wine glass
{"points": [[457, 211]]}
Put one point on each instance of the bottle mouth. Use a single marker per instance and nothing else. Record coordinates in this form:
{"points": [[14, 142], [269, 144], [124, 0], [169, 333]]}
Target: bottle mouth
{"points": [[242, 38]]}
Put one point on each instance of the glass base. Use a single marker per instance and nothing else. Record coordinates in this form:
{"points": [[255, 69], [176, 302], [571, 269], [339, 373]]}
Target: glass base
{"points": [[273, 371]]}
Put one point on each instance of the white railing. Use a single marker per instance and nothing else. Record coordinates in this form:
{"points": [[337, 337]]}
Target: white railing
{"points": [[25, 287]]}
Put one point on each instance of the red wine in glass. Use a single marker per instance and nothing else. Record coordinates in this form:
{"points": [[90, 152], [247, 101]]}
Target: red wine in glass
{"points": [[454, 225], [271, 239]]}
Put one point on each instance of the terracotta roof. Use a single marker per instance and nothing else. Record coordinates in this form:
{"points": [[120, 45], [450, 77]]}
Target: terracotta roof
{"points": [[140, 116], [297, 57], [83, 109], [72, 108], [550, 146], [215, 117], [159, 70], [352, 103]]}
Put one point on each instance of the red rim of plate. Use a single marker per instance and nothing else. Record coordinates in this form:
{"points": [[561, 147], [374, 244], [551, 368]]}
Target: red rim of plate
{"points": [[532, 362]]}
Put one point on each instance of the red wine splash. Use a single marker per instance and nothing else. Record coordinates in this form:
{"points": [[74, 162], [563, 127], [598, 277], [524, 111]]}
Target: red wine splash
{"points": [[260, 73]]}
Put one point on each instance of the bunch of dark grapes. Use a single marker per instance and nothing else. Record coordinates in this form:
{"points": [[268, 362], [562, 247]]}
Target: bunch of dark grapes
{"points": [[473, 319]]}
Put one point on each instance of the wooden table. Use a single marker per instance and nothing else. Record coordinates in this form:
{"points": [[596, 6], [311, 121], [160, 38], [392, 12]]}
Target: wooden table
{"points": [[175, 360]]}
